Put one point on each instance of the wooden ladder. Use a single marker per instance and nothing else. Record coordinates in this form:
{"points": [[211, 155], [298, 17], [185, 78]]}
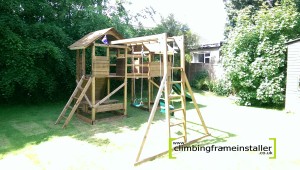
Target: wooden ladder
{"points": [[76, 100], [181, 109]]}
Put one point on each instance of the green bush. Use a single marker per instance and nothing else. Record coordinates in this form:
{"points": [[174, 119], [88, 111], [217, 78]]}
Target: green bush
{"points": [[200, 80], [221, 87], [254, 55]]}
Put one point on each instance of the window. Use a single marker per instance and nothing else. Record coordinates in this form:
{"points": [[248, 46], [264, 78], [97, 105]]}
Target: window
{"points": [[202, 57]]}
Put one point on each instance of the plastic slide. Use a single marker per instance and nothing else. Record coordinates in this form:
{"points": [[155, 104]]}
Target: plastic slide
{"points": [[177, 89]]}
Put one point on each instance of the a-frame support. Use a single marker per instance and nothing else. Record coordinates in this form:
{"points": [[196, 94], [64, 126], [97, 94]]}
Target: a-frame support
{"points": [[165, 85]]}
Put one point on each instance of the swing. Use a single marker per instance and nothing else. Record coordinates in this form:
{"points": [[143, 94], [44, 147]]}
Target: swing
{"points": [[139, 102]]}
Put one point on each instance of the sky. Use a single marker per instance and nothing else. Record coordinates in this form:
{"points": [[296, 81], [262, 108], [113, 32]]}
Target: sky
{"points": [[204, 17]]}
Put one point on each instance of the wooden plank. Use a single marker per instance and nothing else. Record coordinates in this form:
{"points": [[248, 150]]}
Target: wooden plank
{"points": [[151, 81], [125, 82], [111, 46], [85, 119], [93, 85], [110, 107], [131, 56], [195, 103], [137, 39], [152, 114], [83, 62], [108, 96]]}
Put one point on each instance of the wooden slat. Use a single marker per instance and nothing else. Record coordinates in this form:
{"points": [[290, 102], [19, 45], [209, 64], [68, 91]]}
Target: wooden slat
{"points": [[176, 110], [110, 107], [138, 39], [176, 124], [175, 82], [151, 81], [110, 46], [85, 119], [108, 96]]}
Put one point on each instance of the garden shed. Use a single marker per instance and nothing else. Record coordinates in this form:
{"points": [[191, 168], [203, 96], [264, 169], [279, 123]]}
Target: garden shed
{"points": [[292, 100]]}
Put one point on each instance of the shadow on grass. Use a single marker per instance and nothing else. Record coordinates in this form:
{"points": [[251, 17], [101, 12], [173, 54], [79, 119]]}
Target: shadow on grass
{"points": [[189, 105], [30, 125], [216, 135]]}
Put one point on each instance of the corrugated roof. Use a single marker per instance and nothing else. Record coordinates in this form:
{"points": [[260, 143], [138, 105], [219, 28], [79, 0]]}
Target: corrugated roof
{"points": [[86, 41]]}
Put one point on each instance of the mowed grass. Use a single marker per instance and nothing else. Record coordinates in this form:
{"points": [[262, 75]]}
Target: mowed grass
{"points": [[32, 124], [30, 140]]}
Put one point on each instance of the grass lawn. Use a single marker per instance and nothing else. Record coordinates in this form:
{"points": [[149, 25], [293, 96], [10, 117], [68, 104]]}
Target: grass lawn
{"points": [[30, 140]]}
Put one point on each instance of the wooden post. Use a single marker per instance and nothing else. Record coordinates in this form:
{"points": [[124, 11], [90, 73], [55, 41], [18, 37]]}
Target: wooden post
{"points": [[163, 43], [152, 114], [83, 62], [149, 84], [77, 65], [93, 84], [195, 104], [108, 79], [132, 80], [125, 81], [183, 99]]}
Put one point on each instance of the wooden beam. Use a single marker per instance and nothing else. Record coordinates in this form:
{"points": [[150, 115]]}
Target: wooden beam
{"points": [[180, 43], [77, 48], [137, 39], [151, 81], [93, 85], [110, 94], [83, 62], [111, 46], [125, 82], [164, 47], [195, 103], [78, 75], [152, 114]]}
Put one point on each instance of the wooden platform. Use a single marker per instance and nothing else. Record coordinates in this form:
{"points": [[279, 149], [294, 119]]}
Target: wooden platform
{"points": [[108, 105]]}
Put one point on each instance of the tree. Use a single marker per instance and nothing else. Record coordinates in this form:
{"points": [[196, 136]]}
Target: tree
{"points": [[35, 63], [255, 53], [234, 6]]}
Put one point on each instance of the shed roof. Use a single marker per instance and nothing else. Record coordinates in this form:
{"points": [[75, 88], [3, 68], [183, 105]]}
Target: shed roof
{"points": [[293, 41], [86, 41]]}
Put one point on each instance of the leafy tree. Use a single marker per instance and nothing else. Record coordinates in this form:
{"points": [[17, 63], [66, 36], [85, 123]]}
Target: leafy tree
{"points": [[234, 6], [255, 52], [35, 63]]}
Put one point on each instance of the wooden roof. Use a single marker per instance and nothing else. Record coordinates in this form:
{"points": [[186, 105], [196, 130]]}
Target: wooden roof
{"points": [[88, 39]]}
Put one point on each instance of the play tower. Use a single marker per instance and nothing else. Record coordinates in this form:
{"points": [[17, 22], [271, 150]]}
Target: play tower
{"points": [[145, 58]]}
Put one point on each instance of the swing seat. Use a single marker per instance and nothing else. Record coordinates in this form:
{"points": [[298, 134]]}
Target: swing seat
{"points": [[137, 104], [162, 107]]}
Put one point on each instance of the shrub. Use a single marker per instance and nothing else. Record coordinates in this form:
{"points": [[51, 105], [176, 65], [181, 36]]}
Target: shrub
{"points": [[254, 54], [200, 80], [221, 87]]}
